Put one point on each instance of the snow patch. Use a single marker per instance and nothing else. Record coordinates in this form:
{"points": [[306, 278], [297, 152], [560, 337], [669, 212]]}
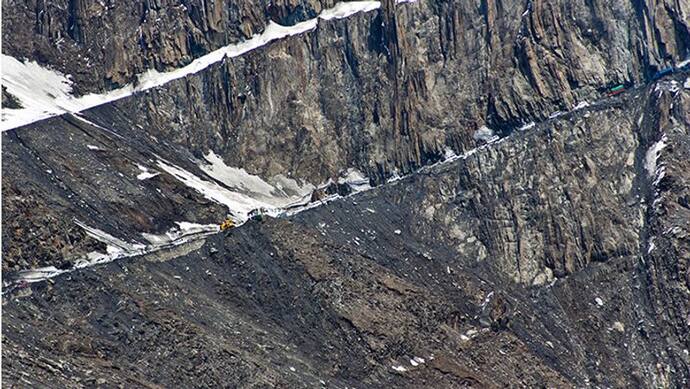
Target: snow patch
{"points": [[448, 153], [484, 133], [94, 148], [279, 191], [580, 105], [394, 177], [42, 92], [527, 126], [145, 173], [238, 204], [652, 156], [344, 9], [236, 178], [355, 179], [399, 368], [40, 274], [240, 191], [183, 229], [686, 85]]}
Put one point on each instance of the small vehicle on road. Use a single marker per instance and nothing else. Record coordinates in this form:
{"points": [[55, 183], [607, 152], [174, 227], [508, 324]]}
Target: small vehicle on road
{"points": [[618, 89], [227, 224]]}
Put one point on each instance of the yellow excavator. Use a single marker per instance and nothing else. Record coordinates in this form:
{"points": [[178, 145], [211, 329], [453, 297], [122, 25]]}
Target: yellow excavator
{"points": [[227, 224]]}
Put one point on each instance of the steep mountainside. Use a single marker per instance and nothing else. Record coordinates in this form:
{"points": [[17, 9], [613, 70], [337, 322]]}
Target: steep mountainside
{"points": [[384, 92], [467, 274], [548, 245]]}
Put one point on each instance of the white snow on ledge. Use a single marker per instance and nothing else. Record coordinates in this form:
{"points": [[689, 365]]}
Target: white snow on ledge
{"points": [[355, 179], [239, 180], [238, 190], [116, 248], [344, 9], [44, 93], [175, 234], [145, 173], [484, 133]]}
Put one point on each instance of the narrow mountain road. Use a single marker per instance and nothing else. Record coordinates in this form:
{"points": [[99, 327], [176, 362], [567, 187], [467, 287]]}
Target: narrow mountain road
{"points": [[23, 278]]}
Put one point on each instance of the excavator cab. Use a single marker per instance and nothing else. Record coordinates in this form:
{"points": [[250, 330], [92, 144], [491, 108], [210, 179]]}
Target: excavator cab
{"points": [[227, 224]]}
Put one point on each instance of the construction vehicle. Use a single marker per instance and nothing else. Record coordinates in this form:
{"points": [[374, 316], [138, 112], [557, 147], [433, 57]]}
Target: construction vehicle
{"points": [[227, 224]]}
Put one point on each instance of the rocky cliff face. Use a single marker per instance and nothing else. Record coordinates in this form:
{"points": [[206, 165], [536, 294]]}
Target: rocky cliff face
{"points": [[390, 90], [104, 44], [557, 255], [384, 91]]}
